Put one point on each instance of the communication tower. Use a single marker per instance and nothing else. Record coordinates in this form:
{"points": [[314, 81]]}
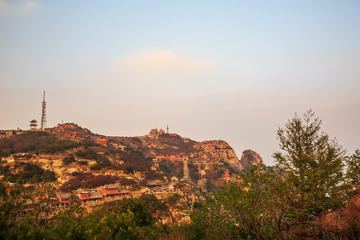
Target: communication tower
{"points": [[167, 129], [43, 113]]}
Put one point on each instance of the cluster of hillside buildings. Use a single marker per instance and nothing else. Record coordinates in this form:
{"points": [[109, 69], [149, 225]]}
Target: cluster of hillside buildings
{"points": [[105, 192], [109, 192]]}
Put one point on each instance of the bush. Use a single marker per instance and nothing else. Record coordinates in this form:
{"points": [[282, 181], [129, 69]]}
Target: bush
{"points": [[49, 176], [142, 215], [96, 167], [68, 160], [82, 162], [32, 171], [88, 153], [194, 175], [19, 164]]}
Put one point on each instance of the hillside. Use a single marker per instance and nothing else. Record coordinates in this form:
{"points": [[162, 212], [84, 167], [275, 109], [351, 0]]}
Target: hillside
{"points": [[73, 157]]}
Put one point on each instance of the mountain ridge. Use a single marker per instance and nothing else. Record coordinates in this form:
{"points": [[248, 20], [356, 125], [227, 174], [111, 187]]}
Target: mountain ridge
{"points": [[71, 149]]}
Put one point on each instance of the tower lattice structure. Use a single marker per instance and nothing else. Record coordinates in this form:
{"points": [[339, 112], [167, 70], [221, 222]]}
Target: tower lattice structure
{"points": [[43, 113]]}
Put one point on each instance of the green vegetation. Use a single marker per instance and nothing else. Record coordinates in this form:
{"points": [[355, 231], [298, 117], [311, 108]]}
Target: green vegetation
{"points": [[313, 179], [35, 142], [89, 153], [30, 173], [171, 168], [82, 162], [132, 162], [68, 160]]}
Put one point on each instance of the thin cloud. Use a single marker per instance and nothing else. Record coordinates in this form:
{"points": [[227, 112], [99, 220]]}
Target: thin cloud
{"points": [[7, 9], [158, 62]]}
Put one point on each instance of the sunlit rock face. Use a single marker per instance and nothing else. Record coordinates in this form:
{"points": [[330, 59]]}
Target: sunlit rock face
{"points": [[216, 151], [250, 158]]}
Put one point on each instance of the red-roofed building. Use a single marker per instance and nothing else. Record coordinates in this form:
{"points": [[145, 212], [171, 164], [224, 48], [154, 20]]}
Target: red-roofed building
{"points": [[173, 157], [86, 196], [29, 205], [102, 141], [226, 174], [64, 198], [112, 190]]}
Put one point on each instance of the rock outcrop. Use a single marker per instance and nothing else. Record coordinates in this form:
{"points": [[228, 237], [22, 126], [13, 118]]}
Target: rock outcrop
{"points": [[250, 158], [216, 152]]}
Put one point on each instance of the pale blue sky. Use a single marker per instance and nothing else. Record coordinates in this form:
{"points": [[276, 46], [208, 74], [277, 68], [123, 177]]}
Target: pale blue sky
{"points": [[232, 70]]}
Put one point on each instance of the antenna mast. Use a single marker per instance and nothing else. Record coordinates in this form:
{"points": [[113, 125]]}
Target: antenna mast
{"points": [[43, 113]]}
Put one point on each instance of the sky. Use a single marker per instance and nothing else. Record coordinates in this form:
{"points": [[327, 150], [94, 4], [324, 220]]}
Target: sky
{"points": [[230, 70]]}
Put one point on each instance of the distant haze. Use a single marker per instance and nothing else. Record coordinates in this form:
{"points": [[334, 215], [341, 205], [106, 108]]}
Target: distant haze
{"points": [[233, 70]]}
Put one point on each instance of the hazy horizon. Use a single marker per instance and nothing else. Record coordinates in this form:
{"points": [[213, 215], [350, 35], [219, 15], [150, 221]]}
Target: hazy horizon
{"points": [[233, 70]]}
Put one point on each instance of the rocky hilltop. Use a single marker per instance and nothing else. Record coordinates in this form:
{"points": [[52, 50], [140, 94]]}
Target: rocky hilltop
{"points": [[250, 158], [68, 150]]}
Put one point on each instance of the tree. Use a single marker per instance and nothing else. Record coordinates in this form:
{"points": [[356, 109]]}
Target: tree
{"points": [[252, 206], [141, 213], [353, 170], [312, 178], [313, 166]]}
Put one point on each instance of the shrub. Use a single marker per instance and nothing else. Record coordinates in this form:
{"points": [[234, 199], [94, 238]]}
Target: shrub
{"points": [[84, 162], [68, 160], [193, 175], [96, 167], [88, 153]]}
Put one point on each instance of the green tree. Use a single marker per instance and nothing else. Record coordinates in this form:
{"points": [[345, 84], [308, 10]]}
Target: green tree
{"points": [[252, 206], [313, 166], [142, 214], [353, 170], [313, 177]]}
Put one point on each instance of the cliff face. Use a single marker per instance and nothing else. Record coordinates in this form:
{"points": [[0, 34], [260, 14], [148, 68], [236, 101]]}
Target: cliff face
{"points": [[250, 158], [215, 152]]}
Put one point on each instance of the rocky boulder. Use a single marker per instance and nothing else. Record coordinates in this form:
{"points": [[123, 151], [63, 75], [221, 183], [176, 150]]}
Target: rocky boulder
{"points": [[250, 158]]}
